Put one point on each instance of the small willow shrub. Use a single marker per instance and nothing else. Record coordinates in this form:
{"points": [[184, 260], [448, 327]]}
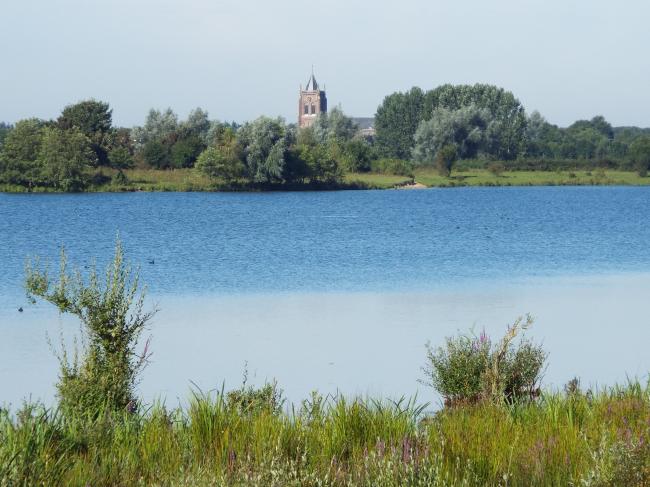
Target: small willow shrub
{"points": [[100, 376], [469, 368]]}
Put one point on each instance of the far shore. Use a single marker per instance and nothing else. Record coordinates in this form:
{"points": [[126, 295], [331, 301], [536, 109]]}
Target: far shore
{"points": [[188, 180]]}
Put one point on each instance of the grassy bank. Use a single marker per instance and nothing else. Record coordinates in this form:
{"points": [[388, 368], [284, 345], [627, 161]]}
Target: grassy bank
{"points": [[569, 439], [190, 180], [483, 177]]}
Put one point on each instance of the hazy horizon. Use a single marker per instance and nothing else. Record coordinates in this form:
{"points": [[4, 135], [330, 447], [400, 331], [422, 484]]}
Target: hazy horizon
{"points": [[239, 59]]}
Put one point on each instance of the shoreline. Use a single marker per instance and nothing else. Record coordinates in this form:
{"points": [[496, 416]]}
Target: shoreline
{"points": [[184, 180]]}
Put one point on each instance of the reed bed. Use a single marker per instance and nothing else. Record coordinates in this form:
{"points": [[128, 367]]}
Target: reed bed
{"points": [[574, 438]]}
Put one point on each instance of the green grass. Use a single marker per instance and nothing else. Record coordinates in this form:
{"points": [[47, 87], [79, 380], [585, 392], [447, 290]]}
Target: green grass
{"points": [[578, 439], [377, 181], [483, 177], [191, 180]]}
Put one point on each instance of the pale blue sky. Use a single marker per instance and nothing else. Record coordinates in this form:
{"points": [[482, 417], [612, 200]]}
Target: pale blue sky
{"points": [[239, 59]]}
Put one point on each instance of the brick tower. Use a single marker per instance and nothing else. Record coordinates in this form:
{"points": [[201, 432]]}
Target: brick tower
{"points": [[312, 102]]}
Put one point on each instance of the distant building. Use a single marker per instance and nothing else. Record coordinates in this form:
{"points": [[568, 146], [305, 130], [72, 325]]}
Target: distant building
{"points": [[313, 101], [366, 126]]}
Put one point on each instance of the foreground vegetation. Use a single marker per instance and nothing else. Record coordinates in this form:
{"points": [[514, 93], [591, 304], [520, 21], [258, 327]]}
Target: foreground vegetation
{"points": [[497, 427], [561, 439]]}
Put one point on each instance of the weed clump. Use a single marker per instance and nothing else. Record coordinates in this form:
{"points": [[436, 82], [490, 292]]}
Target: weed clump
{"points": [[470, 369]]}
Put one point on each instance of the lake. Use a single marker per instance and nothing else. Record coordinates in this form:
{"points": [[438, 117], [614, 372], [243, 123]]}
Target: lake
{"points": [[340, 290]]}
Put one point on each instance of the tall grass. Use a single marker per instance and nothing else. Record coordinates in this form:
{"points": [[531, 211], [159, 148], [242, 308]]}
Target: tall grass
{"points": [[593, 438]]}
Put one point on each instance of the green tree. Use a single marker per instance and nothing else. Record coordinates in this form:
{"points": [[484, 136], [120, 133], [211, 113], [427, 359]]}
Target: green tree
{"points": [[156, 154], [640, 155], [542, 138], [322, 166], [94, 119], [506, 136], [66, 156], [224, 160], [334, 127], [19, 154], [400, 115], [120, 158], [157, 126], [101, 377], [357, 155], [5, 128], [396, 121], [463, 128], [445, 159], [89, 116], [265, 147], [185, 151], [197, 125], [598, 123]]}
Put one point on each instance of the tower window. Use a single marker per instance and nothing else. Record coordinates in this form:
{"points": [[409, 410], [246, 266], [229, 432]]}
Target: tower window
{"points": [[306, 109], [313, 108]]}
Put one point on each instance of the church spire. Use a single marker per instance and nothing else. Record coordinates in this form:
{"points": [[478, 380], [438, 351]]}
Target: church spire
{"points": [[312, 84]]}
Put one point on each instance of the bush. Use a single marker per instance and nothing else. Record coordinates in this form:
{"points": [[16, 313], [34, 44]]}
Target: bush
{"points": [[120, 179], [250, 400], [101, 377], [641, 169], [470, 369], [445, 159]]}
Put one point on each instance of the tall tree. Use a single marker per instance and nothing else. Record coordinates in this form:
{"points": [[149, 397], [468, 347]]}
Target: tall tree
{"points": [[66, 156], [640, 154], [508, 118], [265, 146], [19, 153], [196, 125], [224, 160], [89, 116], [94, 119], [464, 129], [334, 127], [157, 126], [5, 128], [396, 121]]}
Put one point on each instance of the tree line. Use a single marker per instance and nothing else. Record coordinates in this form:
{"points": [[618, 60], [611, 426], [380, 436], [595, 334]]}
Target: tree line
{"points": [[485, 122], [68, 153], [435, 128]]}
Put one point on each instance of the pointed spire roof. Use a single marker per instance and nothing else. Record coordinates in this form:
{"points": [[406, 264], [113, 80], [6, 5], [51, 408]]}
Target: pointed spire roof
{"points": [[312, 84]]}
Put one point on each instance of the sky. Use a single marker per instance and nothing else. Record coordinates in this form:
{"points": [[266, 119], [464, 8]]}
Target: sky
{"points": [[239, 59]]}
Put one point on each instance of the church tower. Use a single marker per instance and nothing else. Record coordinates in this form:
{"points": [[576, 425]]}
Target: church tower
{"points": [[312, 102]]}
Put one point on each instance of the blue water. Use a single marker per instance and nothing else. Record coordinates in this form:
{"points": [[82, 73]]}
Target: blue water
{"points": [[340, 290], [333, 241]]}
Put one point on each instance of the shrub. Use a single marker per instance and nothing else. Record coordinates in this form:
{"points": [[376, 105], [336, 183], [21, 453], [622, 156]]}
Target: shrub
{"points": [[469, 369], [120, 179], [641, 169], [251, 400], [445, 159], [103, 374]]}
